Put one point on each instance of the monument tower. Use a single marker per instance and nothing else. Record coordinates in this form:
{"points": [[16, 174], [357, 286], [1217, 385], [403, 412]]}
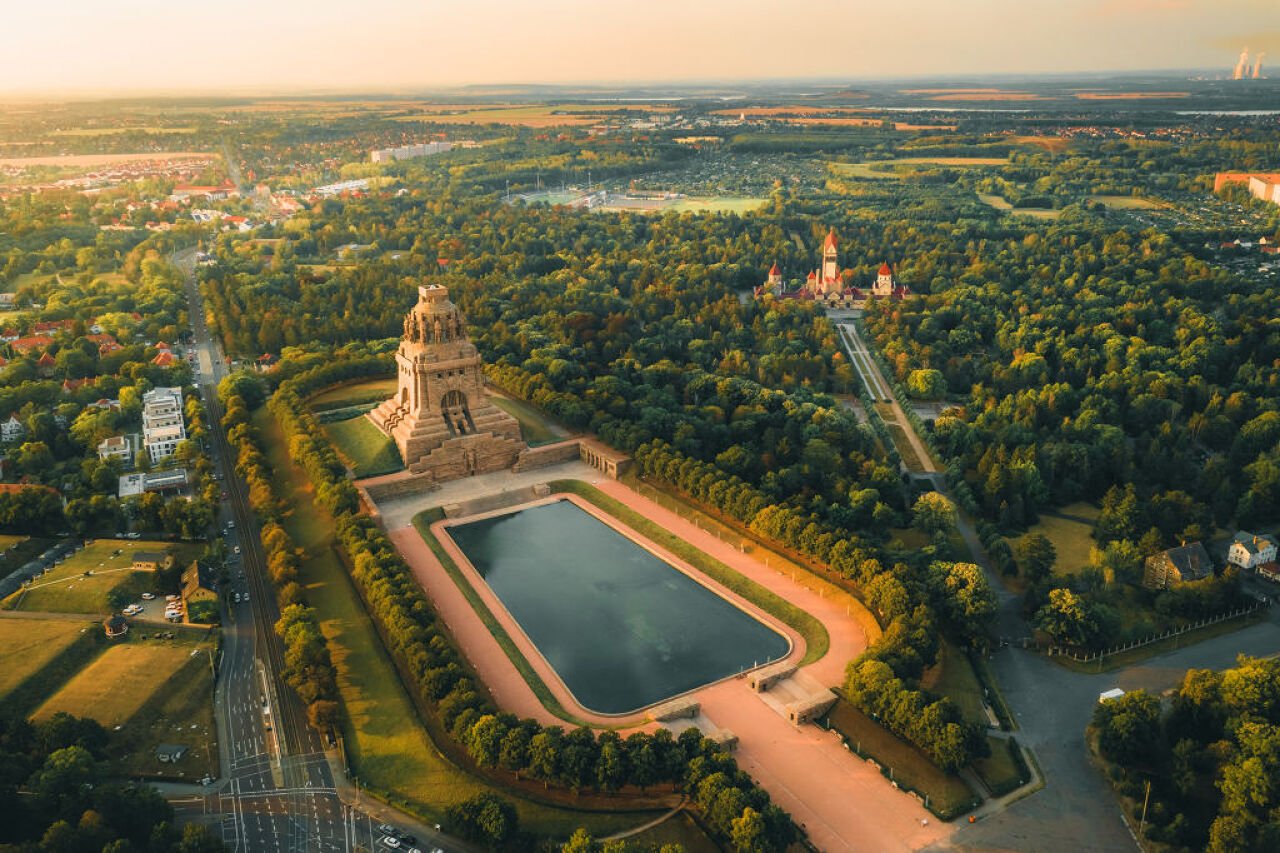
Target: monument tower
{"points": [[441, 417]]}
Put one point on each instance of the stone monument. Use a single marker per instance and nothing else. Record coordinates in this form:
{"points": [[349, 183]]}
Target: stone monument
{"points": [[441, 418]]}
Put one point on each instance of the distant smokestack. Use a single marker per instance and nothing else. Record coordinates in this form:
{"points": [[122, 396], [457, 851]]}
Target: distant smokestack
{"points": [[1242, 65], [1257, 66]]}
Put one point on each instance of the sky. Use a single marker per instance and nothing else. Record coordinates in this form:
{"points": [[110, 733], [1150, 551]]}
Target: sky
{"points": [[397, 45]]}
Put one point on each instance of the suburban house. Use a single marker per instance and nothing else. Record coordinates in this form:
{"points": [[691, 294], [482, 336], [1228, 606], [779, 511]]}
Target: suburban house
{"points": [[1270, 571], [1248, 550], [12, 429], [116, 447], [198, 584], [1177, 565], [115, 626], [150, 561]]}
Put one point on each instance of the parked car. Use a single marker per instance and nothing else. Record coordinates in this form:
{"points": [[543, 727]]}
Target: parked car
{"points": [[391, 841], [171, 598], [384, 828], [148, 596]]}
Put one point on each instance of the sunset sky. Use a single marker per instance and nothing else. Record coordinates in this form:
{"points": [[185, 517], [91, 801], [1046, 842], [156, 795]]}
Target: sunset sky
{"points": [[264, 45]]}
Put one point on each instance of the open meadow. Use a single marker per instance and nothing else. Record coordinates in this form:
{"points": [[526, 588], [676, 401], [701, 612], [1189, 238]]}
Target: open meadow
{"points": [[119, 682], [83, 582], [28, 645], [368, 450], [1070, 529]]}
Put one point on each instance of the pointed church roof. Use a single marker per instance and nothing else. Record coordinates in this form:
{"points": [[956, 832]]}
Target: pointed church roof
{"points": [[831, 242], [773, 270], [812, 276], [885, 269]]}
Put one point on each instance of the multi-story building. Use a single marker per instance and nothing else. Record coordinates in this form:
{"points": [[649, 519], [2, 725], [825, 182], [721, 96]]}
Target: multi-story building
{"points": [[162, 424], [1248, 551], [116, 447], [12, 429]]}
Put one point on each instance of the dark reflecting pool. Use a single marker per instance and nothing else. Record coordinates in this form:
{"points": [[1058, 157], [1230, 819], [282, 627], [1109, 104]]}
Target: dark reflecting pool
{"points": [[622, 628]]}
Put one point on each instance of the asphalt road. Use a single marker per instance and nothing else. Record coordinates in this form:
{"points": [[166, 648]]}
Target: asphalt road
{"points": [[278, 791]]}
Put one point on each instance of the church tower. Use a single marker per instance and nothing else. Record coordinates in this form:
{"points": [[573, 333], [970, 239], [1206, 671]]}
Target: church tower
{"points": [[441, 418], [884, 285], [830, 259]]}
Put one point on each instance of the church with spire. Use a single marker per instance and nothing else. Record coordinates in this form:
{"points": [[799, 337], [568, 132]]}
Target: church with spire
{"points": [[831, 286]]}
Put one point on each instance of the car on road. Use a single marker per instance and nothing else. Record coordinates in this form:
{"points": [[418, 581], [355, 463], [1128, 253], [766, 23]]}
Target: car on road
{"points": [[236, 549], [134, 535], [231, 525], [148, 596], [384, 828], [391, 841], [237, 598], [224, 497]]}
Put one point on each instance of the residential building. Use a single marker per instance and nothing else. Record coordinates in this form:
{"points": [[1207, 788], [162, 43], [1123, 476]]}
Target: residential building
{"points": [[162, 424], [116, 447], [198, 584], [1248, 551], [1269, 571], [151, 561], [1177, 565], [12, 429]]}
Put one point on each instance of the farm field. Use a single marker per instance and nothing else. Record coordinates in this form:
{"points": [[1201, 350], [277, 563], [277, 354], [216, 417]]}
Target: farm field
{"points": [[90, 160], [364, 447], [66, 588], [525, 115], [27, 645], [999, 203], [119, 682], [369, 391], [1070, 529], [1125, 202]]}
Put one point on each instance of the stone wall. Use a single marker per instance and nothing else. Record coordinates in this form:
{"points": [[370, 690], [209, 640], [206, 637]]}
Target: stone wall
{"points": [[548, 454]]}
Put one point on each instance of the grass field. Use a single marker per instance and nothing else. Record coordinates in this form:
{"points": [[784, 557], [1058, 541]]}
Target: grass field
{"points": [[881, 169], [368, 391], [1003, 770], [999, 203], [119, 682], [7, 541], [949, 796], [364, 447], [953, 677], [390, 751], [535, 427], [27, 646], [679, 829], [1124, 202], [182, 713], [66, 588], [1070, 530], [728, 204], [995, 201]]}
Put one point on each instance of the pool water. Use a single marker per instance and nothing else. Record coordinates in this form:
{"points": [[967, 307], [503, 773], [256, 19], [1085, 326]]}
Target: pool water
{"points": [[623, 628]]}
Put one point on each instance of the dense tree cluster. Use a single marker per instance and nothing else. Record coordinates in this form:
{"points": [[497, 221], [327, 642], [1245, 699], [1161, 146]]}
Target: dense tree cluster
{"points": [[1212, 757], [58, 796]]}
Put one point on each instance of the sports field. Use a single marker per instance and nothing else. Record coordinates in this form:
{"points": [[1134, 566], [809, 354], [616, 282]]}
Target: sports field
{"points": [[27, 645], [367, 449], [118, 683], [84, 580]]}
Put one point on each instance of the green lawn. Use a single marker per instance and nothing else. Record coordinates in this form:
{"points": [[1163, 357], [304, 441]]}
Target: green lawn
{"points": [[1070, 529], [1004, 770], [535, 427], [28, 645], [119, 682], [368, 450], [948, 796], [391, 752], [366, 391], [7, 541], [728, 204], [816, 639], [181, 712], [67, 588], [680, 829], [954, 678], [1124, 202]]}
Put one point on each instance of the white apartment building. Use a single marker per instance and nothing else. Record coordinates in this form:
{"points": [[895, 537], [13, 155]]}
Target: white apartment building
{"points": [[162, 424], [1249, 551], [116, 447]]}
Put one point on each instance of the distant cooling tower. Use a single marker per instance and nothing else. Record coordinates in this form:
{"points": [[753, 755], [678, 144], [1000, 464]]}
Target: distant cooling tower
{"points": [[1257, 66], [1242, 65]]}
